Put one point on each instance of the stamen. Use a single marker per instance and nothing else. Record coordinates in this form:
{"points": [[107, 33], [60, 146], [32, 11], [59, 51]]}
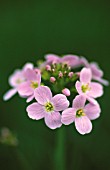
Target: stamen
{"points": [[34, 85], [85, 88], [80, 113], [49, 107]]}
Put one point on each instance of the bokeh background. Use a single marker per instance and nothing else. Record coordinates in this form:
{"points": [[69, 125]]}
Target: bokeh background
{"points": [[28, 31]]}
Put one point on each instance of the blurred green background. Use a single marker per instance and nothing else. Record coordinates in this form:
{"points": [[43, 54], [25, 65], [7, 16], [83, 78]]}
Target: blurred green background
{"points": [[28, 30]]}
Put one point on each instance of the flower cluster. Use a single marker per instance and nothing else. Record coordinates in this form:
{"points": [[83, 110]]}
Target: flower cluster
{"points": [[64, 90]]}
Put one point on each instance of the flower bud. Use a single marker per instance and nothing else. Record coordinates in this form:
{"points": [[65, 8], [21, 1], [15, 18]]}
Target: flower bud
{"points": [[52, 79], [78, 74], [48, 67], [37, 70], [53, 70], [60, 74], [66, 92], [70, 74]]}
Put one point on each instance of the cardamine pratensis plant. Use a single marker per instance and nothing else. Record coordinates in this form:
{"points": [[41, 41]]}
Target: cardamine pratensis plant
{"points": [[64, 90]]}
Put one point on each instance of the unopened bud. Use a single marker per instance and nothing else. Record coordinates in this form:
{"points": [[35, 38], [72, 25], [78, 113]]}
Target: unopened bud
{"points": [[70, 74], [66, 92], [60, 74], [37, 70], [53, 70], [78, 74], [48, 67], [52, 79]]}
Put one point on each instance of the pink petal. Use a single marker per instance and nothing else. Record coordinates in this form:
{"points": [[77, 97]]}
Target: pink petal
{"points": [[92, 111], [84, 62], [71, 60], [60, 102], [96, 71], [102, 81], [15, 77], [52, 58], [78, 87], [96, 90], [36, 111], [83, 125], [79, 102], [43, 94], [91, 100], [53, 120], [30, 98], [28, 65], [30, 75], [85, 75], [25, 89], [68, 116], [9, 94]]}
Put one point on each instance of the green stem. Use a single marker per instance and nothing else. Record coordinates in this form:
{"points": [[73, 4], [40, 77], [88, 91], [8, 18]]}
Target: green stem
{"points": [[59, 163]]}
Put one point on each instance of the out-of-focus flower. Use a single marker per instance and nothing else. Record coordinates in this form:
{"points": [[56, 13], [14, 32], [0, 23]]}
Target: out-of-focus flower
{"points": [[52, 59], [33, 80], [15, 80], [81, 114], [97, 73], [7, 137], [70, 60], [90, 89], [48, 107]]}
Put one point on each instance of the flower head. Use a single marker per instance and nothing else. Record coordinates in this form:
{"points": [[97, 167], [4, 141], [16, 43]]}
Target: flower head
{"points": [[81, 114], [48, 107], [90, 89]]}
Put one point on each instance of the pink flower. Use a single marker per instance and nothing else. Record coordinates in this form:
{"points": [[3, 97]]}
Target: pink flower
{"points": [[27, 88], [86, 87], [48, 107], [97, 73], [71, 60], [52, 59], [15, 80], [81, 114]]}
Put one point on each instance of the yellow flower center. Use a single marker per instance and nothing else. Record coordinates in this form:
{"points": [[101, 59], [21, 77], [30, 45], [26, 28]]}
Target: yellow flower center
{"points": [[80, 113], [34, 85], [85, 88], [49, 107]]}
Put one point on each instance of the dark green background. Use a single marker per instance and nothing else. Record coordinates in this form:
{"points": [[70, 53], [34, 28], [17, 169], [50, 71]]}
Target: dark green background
{"points": [[28, 30]]}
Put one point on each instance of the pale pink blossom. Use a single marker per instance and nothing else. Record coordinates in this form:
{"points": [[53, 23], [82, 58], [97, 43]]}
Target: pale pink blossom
{"points": [[81, 114], [16, 79], [52, 58], [71, 60], [97, 73], [90, 89], [66, 92], [47, 107], [33, 80]]}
